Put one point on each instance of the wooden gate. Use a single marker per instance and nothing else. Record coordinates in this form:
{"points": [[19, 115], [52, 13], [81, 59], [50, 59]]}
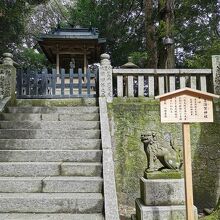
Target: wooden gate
{"points": [[50, 85]]}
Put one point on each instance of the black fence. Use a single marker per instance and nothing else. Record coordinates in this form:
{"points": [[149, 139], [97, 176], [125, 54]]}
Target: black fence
{"points": [[48, 84]]}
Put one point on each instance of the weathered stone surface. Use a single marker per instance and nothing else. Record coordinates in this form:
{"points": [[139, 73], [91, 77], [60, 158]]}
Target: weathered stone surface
{"points": [[54, 109], [51, 155], [105, 78], [131, 117], [73, 184], [44, 144], [48, 134], [49, 117], [216, 73], [17, 169], [3, 103], [7, 78], [57, 102], [161, 212], [51, 202], [85, 117], [133, 217], [81, 169], [65, 125], [171, 174], [50, 216], [20, 184], [162, 192], [111, 203], [161, 153], [43, 135]]}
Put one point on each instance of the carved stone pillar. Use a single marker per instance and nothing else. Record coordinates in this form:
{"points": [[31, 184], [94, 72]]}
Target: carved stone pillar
{"points": [[216, 73], [105, 78], [7, 77]]}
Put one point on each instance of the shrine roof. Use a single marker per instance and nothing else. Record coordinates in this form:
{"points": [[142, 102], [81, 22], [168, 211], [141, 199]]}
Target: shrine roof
{"points": [[187, 90], [73, 34]]}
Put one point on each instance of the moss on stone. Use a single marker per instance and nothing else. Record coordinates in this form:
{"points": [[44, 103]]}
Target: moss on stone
{"points": [[164, 175], [133, 117], [57, 102], [214, 216]]}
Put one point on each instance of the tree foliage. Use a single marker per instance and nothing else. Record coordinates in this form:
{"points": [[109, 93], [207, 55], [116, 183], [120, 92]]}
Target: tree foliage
{"points": [[139, 58], [128, 25], [45, 17], [120, 22], [197, 31], [21, 22], [131, 26], [29, 58], [13, 18]]}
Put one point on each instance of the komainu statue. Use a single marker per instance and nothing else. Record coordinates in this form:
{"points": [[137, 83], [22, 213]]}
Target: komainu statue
{"points": [[164, 151]]}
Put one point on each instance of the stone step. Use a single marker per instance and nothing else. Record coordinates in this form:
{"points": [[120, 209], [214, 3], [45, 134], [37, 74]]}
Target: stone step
{"points": [[51, 202], [27, 169], [50, 155], [49, 117], [57, 102], [50, 184], [81, 169], [23, 169], [53, 109], [48, 134], [72, 184], [50, 144], [50, 216], [21, 184], [52, 125]]}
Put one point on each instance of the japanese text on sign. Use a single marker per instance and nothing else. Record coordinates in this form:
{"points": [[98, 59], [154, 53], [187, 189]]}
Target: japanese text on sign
{"points": [[185, 108]]}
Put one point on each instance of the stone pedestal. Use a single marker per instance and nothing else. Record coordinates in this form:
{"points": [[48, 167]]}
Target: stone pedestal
{"points": [[162, 192], [161, 199], [172, 212]]}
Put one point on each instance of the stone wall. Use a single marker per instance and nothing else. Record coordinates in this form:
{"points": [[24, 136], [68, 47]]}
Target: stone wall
{"points": [[132, 117]]}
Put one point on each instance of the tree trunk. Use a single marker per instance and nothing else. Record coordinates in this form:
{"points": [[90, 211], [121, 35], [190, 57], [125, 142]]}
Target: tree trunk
{"points": [[151, 41], [166, 52]]}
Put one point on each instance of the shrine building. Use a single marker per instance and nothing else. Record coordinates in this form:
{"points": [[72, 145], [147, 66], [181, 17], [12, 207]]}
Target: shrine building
{"points": [[72, 48]]}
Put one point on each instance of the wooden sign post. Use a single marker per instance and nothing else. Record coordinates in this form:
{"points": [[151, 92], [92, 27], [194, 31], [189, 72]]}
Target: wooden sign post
{"points": [[186, 106]]}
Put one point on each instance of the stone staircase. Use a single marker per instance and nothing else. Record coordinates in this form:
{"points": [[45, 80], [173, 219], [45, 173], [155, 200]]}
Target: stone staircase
{"points": [[51, 164]]}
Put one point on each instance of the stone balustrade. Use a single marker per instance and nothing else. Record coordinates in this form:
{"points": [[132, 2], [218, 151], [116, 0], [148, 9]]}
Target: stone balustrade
{"points": [[152, 82], [123, 82]]}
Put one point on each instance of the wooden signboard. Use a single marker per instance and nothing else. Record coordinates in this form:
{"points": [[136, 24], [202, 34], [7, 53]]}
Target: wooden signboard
{"points": [[186, 106]]}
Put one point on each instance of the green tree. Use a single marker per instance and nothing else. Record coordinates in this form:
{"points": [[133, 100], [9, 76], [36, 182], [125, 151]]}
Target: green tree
{"points": [[131, 26], [13, 17], [197, 31], [29, 58], [202, 57], [120, 22]]}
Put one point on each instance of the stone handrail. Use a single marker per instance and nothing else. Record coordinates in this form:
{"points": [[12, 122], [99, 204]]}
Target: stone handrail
{"points": [[110, 196], [152, 82], [7, 81]]}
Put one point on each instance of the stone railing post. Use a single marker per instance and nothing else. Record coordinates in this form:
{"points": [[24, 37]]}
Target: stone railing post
{"points": [[7, 78], [216, 73], [105, 78]]}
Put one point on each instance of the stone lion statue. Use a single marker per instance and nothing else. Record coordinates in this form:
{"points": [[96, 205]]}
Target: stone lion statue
{"points": [[164, 151]]}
